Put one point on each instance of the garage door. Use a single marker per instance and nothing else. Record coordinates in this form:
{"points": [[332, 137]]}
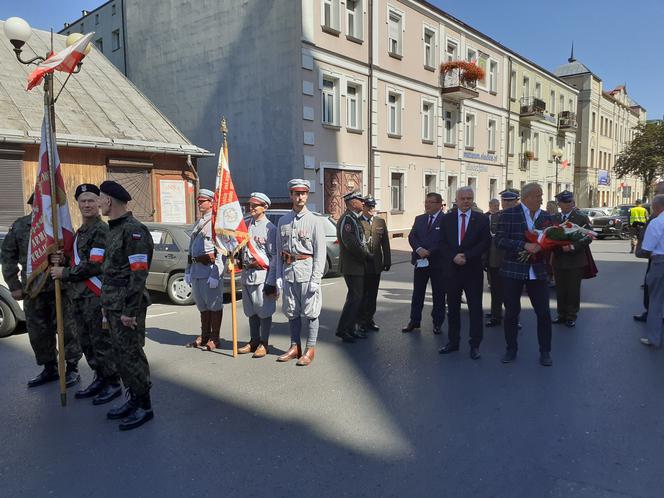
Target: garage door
{"points": [[12, 200], [138, 183]]}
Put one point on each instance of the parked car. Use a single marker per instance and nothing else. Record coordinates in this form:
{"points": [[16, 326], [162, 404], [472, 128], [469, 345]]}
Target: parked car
{"points": [[615, 224], [332, 260], [169, 261], [11, 310], [593, 213]]}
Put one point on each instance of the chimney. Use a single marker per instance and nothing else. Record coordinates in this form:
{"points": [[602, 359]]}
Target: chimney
{"points": [[66, 25], [84, 12]]}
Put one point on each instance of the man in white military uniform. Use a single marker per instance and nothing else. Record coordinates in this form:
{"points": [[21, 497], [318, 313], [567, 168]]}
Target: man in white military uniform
{"points": [[258, 276], [204, 272], [300, 265]]}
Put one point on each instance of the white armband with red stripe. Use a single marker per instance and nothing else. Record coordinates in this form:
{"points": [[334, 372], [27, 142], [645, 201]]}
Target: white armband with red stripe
{"points": [[138, 262], [97, 255]]}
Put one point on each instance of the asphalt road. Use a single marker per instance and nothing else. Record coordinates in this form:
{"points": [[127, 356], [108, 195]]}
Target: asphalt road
{"points": [[385, 417]]}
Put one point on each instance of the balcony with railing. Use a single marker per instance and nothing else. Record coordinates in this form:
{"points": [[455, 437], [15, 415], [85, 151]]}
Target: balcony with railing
{"points": [[524, 159], [567, 121], [458, 80], [533, 109]]}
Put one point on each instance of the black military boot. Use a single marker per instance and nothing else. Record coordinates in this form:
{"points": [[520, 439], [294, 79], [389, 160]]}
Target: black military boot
{"points": [[49, 374], [110, 390], [94, 388], [141, 414], [72, 376], [124, 410]]}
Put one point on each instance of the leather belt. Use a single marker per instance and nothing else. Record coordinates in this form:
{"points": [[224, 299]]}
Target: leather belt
{"points": [[206, 259], [116, 282], [289, 258], [255, 266]]}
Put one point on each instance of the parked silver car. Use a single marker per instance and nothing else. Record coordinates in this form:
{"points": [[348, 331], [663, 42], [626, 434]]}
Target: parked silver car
{"points": [[11, 310]]}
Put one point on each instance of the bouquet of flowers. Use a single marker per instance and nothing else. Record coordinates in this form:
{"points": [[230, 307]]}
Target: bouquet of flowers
{"points": [[554, 236]]}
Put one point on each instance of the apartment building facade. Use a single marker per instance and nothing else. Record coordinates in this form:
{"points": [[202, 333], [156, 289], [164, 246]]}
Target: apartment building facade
{"points": [[607, 122]]}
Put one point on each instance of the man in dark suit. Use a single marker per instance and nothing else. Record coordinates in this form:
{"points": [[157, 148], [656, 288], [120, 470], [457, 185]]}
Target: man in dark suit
{"points": [[353, 257], [466, 237], [378, 241], [569, 262], [425, 240], [512, 226]]}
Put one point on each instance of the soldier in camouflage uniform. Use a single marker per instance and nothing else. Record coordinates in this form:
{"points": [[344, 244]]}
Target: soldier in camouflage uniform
{"points": [[259, 298], [83, 304], [300, 265], [39, 310], [124, 299]]}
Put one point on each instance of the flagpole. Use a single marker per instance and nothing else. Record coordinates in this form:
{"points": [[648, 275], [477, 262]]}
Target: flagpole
{"points": [[50, 136]]}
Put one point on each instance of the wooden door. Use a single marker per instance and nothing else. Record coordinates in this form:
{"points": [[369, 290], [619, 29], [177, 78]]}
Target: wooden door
{"points": [[337, 183]]}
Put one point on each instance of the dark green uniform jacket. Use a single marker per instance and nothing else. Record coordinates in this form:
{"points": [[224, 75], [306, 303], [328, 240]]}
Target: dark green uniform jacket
{"points": [[576, 258], [353, 250]]}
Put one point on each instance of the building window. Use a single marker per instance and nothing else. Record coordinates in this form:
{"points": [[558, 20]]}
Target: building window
{"points": [[471, 55], [330, 16], [99, 43], [449, 128], [452, 183], [329, 106], [395, 45], [113, 9], [472, 183], [592, 121], [493, 76], [470, 131], [601, 125], [396, 190], [570, 106], [513, 85], [483, 62], [610, 130], [550, 151], [493, 188], [538, 90], [562, 104], [451, 51], [510, 149], [394, 114], [429, 184], [492, 136], [354, 22], [552, 102], [536, 145], [429, 48], [353, 110], [427, 121], [96, 18], [525, 88], [115, 39]]}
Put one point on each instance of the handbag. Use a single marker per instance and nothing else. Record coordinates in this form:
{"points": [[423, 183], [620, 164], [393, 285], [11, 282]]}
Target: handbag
{"points": [[590, 270]]}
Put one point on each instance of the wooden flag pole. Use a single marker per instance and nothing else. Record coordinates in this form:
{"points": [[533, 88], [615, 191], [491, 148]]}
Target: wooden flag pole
{"points": [[50, 135], [233, 304]]}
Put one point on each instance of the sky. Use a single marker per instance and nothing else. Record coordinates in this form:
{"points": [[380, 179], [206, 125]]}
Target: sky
{"points": [[620, 41]]}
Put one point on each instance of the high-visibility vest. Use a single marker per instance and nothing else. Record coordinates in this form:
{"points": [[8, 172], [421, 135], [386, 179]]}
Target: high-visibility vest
{"points": [[638, 214]]}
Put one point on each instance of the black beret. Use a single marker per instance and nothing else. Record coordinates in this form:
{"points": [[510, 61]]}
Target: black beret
{"points": [[115, 190], [31, 199], [86, 187]]}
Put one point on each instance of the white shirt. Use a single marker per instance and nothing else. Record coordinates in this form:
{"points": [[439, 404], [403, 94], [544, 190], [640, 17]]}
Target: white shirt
{"points": [[530, 221], [460, 220], [653, 239]]}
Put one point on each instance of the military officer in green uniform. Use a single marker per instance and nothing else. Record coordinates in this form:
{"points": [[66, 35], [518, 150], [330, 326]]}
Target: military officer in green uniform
{"points": [[569, 262], [83, 303], [378, 241], [353, 258], [39, 309], [124, 300]]}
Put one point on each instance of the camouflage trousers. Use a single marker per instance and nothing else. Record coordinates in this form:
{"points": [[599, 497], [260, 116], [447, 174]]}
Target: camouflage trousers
{"points": [[84, 316], [130, 359], [40, 322]]}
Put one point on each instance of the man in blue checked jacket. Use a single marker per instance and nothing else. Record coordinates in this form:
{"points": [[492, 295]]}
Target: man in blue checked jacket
{"points": [[518, 271]]}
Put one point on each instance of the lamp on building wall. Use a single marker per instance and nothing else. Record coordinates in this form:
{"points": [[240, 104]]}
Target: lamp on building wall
{"points": [[556, 155]]}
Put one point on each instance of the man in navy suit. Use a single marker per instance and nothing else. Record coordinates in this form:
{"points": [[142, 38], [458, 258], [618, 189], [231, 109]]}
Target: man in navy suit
{"points": [[513, 224], [425, 239], [466, 237]]}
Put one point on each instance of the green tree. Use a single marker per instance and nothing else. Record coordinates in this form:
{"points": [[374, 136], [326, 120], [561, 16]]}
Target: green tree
{"points": [[644, 156]]}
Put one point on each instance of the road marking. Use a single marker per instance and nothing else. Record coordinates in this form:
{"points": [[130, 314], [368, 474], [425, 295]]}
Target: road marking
{"points": [[162, 314]]}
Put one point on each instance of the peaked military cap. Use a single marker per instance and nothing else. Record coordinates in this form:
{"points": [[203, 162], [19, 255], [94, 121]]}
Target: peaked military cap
{"points": [[353, 195], [260, 197], [207, 194], [115, 190], [299, 184], [86, 187], [370, 201], [510, 194], [565, 196]]}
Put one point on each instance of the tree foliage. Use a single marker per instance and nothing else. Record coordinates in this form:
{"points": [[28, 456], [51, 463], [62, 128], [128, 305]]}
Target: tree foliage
{"points": [[644, 156]]}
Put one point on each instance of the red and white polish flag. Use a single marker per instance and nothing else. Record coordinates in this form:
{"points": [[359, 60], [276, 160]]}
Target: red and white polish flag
{"points": [[65, 61]]}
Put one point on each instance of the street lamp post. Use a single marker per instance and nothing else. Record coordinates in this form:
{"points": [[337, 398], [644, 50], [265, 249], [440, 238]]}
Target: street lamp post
{"points": [[556, 155], [19, 32]]}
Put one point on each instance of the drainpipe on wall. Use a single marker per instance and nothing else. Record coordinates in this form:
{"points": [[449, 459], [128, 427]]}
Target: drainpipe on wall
{"points": [[509, 118], [370, 175], [197, 185]]}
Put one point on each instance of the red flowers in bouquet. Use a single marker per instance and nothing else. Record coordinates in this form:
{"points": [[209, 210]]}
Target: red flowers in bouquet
{"points": [[554, 236]]}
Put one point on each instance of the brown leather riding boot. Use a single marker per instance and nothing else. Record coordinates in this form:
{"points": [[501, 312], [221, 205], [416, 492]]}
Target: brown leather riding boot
{"points": [[295, 351], [261, 350], [215, 330], [307, 357], [205, 331], [249, 347]]}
